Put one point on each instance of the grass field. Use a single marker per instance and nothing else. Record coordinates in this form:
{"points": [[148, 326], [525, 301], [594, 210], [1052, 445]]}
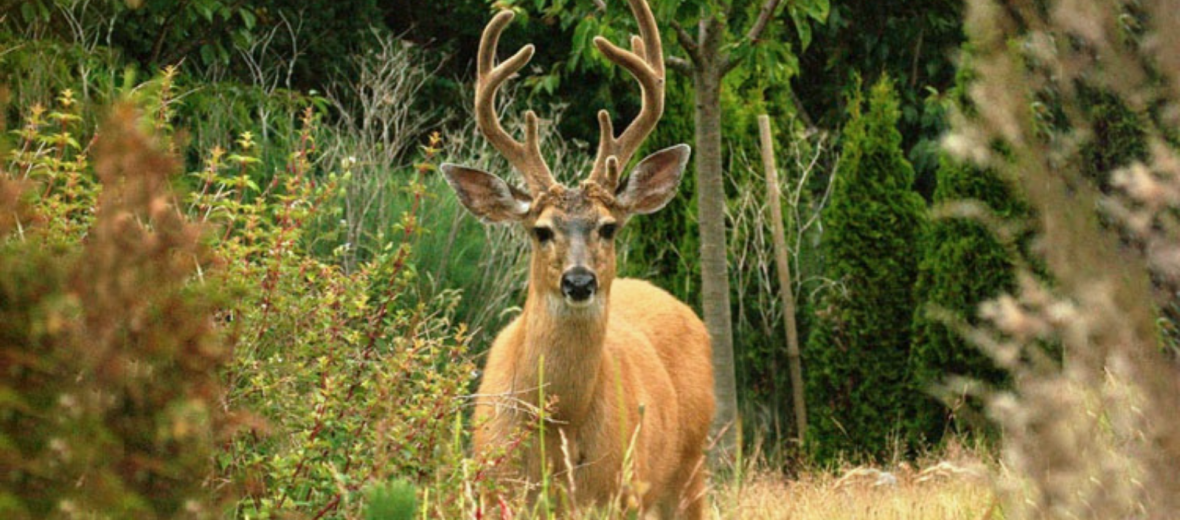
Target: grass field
{"points": [[956, 485]]}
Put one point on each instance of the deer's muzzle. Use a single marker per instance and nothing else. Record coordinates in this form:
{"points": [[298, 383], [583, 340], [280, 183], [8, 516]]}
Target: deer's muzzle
{"points": [[578, 284]]}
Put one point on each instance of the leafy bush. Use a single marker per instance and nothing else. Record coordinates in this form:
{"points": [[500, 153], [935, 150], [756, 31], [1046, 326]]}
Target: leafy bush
{"points": [[396, 500], [355, 378], [208, 36], [111, 351], [154, 313], [963, 264], [855, 358]]}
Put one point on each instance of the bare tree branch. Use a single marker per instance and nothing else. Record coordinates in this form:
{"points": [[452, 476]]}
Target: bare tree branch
{"points": [[685, 40], [764, 15], [678, 64]]}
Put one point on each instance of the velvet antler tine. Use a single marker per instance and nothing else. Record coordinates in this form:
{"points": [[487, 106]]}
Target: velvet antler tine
{"points": [[606, 136], [645, 61], [490, 38], [525, 157], [612, 172], [637, 66], [637, 47], [650, 33]]}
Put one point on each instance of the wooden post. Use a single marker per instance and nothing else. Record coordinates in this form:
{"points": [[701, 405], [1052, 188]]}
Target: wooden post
{"points": [[787, 293]]}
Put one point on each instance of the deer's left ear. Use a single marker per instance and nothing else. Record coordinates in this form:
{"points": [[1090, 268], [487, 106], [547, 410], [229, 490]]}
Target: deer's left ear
{"points": [[654, 180]]}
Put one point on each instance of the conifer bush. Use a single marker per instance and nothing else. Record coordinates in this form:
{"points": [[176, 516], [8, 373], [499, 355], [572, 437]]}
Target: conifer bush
{"points": [[963, 264], [855, 358]]}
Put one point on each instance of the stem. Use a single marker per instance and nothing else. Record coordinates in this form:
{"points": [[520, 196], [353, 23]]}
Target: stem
{"points": [[541, 434]]}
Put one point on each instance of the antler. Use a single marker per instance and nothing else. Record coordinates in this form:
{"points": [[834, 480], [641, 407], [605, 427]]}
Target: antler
{"points": [[645, 61], [526, 156]]}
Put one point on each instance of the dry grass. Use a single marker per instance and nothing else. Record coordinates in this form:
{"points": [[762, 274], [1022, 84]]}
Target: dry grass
{"points": [[957, 488]]}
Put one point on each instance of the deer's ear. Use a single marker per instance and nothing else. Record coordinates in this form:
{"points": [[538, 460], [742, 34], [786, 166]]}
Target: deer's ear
{"points": [[486, 195], [654, 180]]}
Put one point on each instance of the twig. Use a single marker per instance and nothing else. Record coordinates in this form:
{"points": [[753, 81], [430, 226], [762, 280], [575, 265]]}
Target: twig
{"points": [[764, 15]]}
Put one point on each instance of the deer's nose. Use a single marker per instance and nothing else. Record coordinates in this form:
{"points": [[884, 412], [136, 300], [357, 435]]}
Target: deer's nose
{"points": [[578, 284]]}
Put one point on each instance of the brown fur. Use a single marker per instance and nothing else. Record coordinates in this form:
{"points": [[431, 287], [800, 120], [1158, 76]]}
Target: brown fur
{"points": [[635, 338]]}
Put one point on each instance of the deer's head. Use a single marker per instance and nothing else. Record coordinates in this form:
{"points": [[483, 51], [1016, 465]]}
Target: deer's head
{"points": [[573, 228]]}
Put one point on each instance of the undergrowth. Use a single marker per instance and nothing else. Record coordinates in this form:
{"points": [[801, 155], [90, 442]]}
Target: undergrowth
{"points": [[180, 352]]}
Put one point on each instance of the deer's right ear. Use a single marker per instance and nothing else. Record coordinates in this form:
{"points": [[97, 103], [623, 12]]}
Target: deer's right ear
{"points": [[486, 195]]}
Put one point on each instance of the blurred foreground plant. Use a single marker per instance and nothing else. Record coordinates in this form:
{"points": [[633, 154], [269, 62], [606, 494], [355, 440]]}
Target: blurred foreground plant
{"points": [[1097, 436], [110, 353]]}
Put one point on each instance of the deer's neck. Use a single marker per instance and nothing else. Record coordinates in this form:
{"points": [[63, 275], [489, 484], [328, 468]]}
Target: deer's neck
{"points": [[570, 341]]}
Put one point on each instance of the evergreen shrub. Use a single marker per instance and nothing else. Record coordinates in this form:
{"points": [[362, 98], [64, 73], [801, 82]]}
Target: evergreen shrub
{"points": [[855, 357]]}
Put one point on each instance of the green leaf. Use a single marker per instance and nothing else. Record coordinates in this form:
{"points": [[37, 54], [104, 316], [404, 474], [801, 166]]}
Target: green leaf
{"points": [[248, 18], [208, 54], [27, 12], [582, 35], [802, 27], [817, 9]]}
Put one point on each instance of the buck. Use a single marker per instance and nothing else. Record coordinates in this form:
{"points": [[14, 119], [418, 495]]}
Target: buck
{"points": [[628, 365]]}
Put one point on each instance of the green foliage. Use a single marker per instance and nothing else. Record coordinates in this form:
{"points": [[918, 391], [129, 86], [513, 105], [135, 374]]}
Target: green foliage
{"points": [[351, 376], [395, 500], [911, 41], [665, 249], [855, 359], [354, 378], [963, 265], [1118, 138], [209, 35], [37, 69]]}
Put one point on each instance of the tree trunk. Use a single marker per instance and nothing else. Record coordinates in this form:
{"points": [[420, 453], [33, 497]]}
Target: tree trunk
{"points": [[787, 292], [707, 76]]}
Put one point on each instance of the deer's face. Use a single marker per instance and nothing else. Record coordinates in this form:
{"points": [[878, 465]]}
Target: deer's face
{"points": [[572, 230], [573, 239]]}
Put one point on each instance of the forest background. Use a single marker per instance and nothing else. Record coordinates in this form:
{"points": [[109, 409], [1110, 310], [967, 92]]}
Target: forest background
{"points": [[295, 275]]}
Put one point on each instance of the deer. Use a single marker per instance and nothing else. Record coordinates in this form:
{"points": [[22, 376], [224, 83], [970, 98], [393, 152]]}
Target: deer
{"points": [[627, 365]]}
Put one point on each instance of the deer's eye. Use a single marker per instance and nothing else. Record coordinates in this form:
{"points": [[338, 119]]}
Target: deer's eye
{"points": [[543, 234], [607, 231]]}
